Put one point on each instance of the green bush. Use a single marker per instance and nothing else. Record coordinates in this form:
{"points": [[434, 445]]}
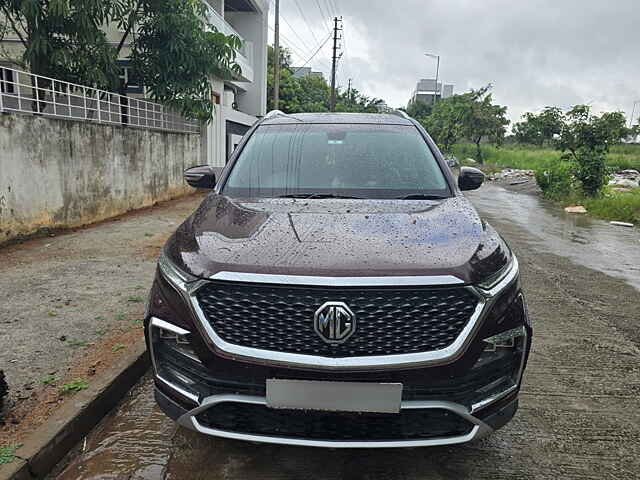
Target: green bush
{"points": [[557, 181], [591, 169]]}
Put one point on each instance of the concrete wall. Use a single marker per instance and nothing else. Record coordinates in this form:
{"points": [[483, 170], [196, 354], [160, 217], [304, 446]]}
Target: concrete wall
{"points": [[60, 173]]}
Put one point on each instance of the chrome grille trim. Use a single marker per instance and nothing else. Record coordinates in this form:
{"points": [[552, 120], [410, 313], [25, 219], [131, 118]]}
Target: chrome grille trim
{"points": [[269, 357], [432, 280]]}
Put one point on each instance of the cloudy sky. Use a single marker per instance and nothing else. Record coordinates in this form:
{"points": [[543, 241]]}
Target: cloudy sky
{"points": [[534, 52]]}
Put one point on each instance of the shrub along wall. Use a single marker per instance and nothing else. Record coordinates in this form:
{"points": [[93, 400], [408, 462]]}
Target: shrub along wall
{"points": [[59, 173]]}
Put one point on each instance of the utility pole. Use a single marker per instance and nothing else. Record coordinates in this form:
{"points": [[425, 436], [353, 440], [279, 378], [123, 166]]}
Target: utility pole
{"points": [[349, 93], [276, 55], [332, 103]]}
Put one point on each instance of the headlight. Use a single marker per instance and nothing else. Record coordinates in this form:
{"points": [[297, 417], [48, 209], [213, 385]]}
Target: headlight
{"points": [[503, 277], [173, 274], [503, 361]]}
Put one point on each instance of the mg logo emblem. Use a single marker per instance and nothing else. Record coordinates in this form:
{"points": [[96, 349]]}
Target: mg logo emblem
{"points": [[334, 322]]}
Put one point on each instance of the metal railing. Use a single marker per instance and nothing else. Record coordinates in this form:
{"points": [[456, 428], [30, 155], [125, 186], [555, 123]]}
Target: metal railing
{"points": [[24, 92]]}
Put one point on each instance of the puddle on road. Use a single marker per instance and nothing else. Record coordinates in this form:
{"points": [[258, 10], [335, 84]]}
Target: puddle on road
{"points": [[586, 241], [135, 442], [139, 442]]}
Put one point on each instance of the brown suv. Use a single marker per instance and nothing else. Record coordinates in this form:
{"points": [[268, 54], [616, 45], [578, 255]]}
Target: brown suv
{"points": [[336, 289]]}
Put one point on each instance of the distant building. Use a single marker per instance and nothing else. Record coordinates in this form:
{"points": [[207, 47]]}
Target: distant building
{"points": [[427, 90], [301, 72]]}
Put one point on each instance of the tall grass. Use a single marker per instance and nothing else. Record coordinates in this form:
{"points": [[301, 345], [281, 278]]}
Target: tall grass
{"points": [[531, 157], [623, 206]]}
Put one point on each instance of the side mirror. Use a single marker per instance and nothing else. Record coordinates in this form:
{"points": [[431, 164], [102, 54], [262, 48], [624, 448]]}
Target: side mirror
{"points": [[470, 178], [202, 176]]}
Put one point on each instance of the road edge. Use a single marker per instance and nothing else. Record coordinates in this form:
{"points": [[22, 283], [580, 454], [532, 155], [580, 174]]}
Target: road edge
{"points": [[49, 443]]}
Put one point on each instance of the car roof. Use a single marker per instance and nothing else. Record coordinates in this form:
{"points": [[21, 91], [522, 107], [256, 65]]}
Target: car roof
{"points": [[278, 118]]}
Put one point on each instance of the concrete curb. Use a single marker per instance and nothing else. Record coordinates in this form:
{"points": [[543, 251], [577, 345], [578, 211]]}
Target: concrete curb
{"points": [[48, 444]]}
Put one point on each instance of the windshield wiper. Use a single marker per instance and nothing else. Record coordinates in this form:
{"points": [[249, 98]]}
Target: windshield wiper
{"points": [[316, 195], [422, 196]]}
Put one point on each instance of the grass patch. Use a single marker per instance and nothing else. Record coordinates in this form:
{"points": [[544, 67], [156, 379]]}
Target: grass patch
{"points": [[621, 206], [74, 386], [77, 343], [135, 300], [531, 157], [117, 347], [121, 317], [8, 453], [49, 380]]}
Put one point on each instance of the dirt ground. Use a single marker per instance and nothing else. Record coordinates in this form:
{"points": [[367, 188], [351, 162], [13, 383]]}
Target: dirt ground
{"points": [[578, 417], [71, 303]]}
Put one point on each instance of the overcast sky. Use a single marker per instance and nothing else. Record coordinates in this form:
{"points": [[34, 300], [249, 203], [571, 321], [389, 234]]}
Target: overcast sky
{"points": [[534, 52]]}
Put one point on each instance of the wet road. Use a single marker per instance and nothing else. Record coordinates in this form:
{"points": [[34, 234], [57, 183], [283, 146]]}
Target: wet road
{"points": [[579, 415]]}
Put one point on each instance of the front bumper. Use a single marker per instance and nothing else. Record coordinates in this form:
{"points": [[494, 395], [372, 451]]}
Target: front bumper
{"points": [[221, 396], [481, 425]]}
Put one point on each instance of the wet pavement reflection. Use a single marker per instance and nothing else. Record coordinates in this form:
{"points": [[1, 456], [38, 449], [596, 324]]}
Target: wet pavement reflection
{"points": [[586, 241], [132, 442], [138, 442]]}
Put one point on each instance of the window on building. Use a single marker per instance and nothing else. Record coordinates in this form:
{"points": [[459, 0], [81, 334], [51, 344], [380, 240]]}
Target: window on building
{"points": [[7, 80], [132, 82]]}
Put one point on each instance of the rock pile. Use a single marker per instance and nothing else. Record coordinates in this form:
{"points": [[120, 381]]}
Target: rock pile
{"points": [[513, 176], [625, 179]]}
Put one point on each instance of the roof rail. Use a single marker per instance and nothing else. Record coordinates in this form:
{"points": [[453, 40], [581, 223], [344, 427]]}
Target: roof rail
{"points": [[274, 113], [401, 113], [279, 113]]}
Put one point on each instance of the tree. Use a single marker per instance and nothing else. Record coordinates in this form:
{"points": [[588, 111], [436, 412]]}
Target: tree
{"points": [[175, 53], [446, 120], [483, 119], [541, 128], [586, 139], [63, 38], [174, 49], [419, 109], [354, 101], [289, 87]]}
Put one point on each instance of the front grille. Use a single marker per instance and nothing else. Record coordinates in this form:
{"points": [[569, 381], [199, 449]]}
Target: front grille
{"points": [[389, 320], [340, 426]]}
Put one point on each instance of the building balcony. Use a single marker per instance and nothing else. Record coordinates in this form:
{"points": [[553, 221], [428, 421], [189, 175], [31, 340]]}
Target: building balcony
{"points": [[244, 56]]}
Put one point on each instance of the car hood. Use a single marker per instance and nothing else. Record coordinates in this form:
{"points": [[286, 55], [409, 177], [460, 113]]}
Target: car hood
{"points": [[338, 238]]}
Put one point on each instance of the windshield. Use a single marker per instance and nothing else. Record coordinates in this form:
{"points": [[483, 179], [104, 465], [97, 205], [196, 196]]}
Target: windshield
{"points": [[367, 161]]}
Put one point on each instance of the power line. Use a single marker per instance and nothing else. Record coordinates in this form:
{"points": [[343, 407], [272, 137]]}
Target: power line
{"points": [[296, 33], [323, 16], [292, 45], [312, 56], [334, 9], [306, 21], [297, 51]]}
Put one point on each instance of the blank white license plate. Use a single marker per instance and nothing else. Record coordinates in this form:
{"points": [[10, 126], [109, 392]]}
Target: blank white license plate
{"points": [[334, 396]]}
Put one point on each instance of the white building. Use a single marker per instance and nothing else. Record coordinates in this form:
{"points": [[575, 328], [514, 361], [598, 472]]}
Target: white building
{"points": [[427, 90], [241, 101], [301, 72]]}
